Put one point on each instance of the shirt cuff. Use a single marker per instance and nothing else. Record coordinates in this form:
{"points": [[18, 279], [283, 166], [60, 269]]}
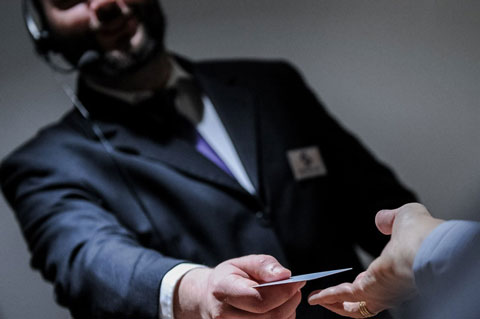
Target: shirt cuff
{"points": [[167, 288]]}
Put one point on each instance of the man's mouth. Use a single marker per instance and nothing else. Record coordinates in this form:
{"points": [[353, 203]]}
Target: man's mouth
{"points": [[117, 33]]}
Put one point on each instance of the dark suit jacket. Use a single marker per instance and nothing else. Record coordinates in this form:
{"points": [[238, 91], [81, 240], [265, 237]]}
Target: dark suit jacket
{"points": [[105, 231]]}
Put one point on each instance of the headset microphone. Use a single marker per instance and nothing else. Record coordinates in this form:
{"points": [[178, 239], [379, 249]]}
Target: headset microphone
{"points": [[88, 58]]}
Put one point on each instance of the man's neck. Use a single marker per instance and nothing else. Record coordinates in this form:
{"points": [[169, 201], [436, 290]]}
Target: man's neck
{"points": [[149, 77]]}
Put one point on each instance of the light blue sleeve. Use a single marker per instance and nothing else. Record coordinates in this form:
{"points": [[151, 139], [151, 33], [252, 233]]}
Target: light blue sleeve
{"points": [[447, 272]]}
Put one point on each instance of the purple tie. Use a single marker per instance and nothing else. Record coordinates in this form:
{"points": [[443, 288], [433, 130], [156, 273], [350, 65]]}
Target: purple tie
{"points": [[204, 148], [190, 133], [183, 126]]}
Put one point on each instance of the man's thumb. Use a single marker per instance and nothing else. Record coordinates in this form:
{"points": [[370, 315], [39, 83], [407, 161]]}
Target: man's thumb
{"points": [[262, 268]]}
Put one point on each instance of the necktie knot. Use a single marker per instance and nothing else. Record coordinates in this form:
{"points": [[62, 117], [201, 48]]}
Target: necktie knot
{"points": [[180, 126], [161, 104]]}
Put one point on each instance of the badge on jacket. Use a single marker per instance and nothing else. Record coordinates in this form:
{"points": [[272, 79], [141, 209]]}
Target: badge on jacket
{"points": [[306, 163]]}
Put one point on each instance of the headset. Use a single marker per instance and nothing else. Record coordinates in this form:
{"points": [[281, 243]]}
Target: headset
{"points": [[44, 46], [41, 35], [67, 58]]}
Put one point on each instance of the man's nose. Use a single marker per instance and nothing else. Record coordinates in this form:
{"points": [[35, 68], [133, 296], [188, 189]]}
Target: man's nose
{"points": [[105, 11]]}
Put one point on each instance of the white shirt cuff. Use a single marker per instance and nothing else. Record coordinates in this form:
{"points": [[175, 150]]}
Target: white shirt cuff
{"points": [[167, 288]]}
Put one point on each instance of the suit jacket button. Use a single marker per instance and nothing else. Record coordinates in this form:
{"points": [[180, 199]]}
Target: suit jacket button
{"points": [[263, 219]]}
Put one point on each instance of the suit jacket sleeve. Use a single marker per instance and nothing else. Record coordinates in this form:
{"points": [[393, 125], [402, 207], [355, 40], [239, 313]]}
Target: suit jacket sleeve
{"points": [[99, 268], [447, 272]]}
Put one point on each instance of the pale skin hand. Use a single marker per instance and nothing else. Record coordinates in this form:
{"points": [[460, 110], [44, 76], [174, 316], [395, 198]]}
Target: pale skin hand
{"points": [[389, 280], [226, 291]]}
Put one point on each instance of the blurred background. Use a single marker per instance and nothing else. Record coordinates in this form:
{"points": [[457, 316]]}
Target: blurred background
{"points": [[403, 75]]}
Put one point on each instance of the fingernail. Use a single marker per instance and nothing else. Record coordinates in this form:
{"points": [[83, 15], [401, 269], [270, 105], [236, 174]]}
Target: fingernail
{"points": [[275, 269], [311, 300]]}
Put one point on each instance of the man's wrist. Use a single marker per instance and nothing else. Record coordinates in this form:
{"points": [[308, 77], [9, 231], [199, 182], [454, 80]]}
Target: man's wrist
{"points": [[189, 292], [167, 288]]}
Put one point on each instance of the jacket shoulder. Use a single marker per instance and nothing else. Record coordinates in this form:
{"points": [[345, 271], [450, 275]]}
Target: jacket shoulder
{"points": [[45, 148], [249, 68]]}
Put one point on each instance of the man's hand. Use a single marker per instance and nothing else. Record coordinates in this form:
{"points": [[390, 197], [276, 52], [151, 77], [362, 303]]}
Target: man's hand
{"points": [[226, 291], [389, 280]]}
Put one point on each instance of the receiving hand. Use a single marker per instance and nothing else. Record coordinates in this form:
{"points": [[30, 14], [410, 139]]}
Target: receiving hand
{"points": [[389, 279], [226, 291]]}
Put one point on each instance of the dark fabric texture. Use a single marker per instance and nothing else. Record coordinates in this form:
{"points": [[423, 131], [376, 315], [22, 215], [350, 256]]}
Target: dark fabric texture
{"points": [[105, 231]]}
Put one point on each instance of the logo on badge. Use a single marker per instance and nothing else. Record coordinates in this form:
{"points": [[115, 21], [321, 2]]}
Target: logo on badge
{"points": [[306, 163]]}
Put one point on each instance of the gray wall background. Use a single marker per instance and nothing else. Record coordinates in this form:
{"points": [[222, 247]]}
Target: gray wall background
{"points": [[403, 75]]}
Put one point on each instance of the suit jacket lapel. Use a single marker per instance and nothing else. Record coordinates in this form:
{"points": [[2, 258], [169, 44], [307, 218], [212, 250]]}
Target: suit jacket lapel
{"points": [[172, 151], [235, 107], [233, 104]]}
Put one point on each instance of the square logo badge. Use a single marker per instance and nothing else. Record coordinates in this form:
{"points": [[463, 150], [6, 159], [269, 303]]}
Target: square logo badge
{"points": [[306, 163]]}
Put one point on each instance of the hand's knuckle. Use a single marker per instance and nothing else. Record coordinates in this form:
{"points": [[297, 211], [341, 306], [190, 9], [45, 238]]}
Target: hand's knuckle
{"points": [[218, 312], [216, 315], [217, 291], [286, 293], [277, 313], [271, 315], [260, 307], [298, 299], [219, 315], [266, 259]]}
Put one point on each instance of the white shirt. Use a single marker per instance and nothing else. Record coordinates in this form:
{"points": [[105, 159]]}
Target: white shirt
{"points": [[199, 109]]}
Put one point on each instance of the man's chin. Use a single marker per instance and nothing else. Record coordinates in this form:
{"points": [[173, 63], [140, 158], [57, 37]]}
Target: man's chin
{"points": [[122, 62]]}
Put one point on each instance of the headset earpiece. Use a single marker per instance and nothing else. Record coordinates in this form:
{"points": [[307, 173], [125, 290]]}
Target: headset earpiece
{"points": [[38, 33]]}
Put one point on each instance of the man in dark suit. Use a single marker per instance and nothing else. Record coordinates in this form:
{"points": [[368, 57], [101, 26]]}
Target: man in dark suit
{"points": [[174, 187]]}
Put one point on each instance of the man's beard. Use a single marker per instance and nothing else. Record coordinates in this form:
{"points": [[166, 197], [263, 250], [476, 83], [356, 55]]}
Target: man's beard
{"points": [[118, 61], [84, 53]]}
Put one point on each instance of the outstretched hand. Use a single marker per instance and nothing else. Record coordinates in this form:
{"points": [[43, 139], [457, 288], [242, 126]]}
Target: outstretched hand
{"points": [[389, 279], [226, 291]]}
